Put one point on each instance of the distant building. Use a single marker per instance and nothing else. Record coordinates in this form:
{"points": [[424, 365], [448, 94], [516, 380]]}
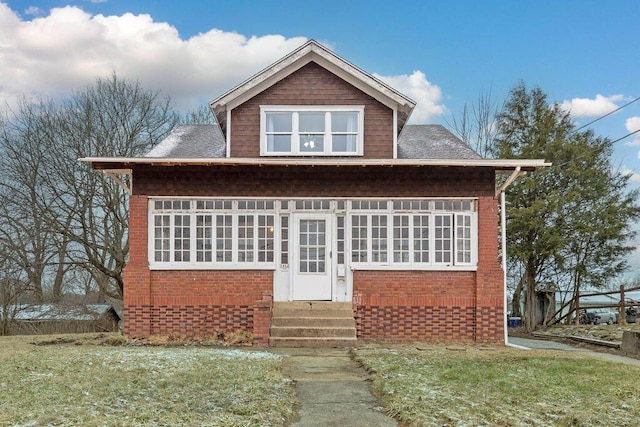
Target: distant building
{"points": [[60, 318]]}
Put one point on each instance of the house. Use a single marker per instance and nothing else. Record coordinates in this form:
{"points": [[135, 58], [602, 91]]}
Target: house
{"points": [[312, 198], [61, 318]]}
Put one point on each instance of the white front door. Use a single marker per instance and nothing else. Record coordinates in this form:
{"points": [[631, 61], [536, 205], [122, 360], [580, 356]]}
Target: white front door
{"points": [[312, 264]]}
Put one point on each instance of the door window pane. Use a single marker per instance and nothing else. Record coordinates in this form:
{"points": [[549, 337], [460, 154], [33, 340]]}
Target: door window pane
{"points": [[312, 251]]}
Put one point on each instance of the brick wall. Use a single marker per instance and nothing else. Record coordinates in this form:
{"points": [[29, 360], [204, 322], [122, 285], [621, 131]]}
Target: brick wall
{"points": [[426, 305], [189, 303], [192, 304], [415, 305], [437, 306], [312, 85]]}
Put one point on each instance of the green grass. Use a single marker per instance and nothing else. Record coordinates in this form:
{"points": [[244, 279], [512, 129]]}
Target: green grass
{"points": [[503, 387], [93, 385]]}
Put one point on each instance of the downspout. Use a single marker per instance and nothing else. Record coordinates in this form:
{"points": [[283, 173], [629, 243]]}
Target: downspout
{"points": [[503, 228]]}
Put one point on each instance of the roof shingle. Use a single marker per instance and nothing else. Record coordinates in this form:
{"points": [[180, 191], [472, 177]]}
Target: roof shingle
{"points": [[432, 142], [415, 142], [191, 141]]}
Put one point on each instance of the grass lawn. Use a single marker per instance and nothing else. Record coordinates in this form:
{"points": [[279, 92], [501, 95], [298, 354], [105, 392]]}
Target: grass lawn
{"points": [[470, 386], [91, 385]]}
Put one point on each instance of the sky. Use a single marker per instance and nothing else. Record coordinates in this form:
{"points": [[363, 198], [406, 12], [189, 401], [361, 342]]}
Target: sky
{"points": [[585, 54]]}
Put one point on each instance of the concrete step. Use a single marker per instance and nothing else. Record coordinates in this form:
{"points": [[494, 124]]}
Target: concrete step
{"points": [[312, 342], [315, 309], [313, 332], [312, 305], [319, 322], [312, 324]]}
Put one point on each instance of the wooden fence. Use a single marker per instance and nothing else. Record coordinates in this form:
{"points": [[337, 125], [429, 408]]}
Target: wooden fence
{"points": [[574, 308]]}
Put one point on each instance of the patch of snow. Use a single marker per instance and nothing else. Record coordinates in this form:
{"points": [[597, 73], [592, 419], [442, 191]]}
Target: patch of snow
{"points": [[167, 145]]}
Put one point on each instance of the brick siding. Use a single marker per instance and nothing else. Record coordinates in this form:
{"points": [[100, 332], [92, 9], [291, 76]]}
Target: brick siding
{"points": [[434, 306]]}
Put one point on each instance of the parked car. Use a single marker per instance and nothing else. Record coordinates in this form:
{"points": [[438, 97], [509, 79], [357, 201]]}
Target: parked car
{"points": [[597, 316]]}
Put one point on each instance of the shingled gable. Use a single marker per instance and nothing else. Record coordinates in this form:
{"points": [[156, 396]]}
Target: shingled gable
{"points": [[312, 51]]}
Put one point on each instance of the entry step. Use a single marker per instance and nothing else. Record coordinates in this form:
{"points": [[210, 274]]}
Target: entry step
{"points": [[312, 324]]}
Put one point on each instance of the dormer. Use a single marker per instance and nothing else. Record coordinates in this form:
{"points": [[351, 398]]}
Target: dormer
{"points": [[312, 103]]}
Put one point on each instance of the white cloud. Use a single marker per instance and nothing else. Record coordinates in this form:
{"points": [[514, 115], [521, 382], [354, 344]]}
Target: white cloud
{"points": [[633, 124], [426, 95], [635, 177], [585, 107], [55, 54], [33, 10], [60, 52]]}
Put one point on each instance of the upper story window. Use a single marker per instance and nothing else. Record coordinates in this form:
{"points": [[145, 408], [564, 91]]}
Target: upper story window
{"points": [[311, 130]]}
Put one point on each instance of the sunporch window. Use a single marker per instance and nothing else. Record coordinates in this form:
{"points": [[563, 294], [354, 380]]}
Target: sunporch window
{"points": [[200, 233], [415, 234], [427, 234], [311, 130]]}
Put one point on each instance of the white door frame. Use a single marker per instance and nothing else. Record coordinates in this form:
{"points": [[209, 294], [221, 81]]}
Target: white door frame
{"points": [[327, 281]]}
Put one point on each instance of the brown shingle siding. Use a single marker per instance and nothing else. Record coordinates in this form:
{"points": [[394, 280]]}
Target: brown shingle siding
{"points": [[312, 85], [319, 181]]}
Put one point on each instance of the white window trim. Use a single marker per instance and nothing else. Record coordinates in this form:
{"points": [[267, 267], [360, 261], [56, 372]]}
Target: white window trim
{"points": [[192, 264], [295, 138], [291, 209], [412, 265]]}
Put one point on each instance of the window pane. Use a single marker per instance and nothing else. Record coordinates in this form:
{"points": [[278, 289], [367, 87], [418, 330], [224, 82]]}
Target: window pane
{"points": [[284, 240], [340, 239], [312, 252], [245, 238], [378, 238], [311, 143], [311, 122], [463, 239], [204, 233], [224, 238], [421, 238], [181, 238], [401, 238], [359, 238], [443, 237], [344, 122], [265, 238], [344, 143], [279, 143], [162, 238], [279, 122]]}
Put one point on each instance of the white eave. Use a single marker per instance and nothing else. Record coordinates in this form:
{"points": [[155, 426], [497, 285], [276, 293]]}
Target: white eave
{"points": [[125, 164], [312, 51]]}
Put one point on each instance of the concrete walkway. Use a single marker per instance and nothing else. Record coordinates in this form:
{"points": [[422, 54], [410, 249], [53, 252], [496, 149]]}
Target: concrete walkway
{"points": [[554, 345], [332, 389]]}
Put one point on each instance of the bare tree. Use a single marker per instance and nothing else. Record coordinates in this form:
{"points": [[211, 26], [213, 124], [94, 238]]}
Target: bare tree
{"points": [[26, 233], [111, 118], [12, 288], [58, 214], [475, 126]]}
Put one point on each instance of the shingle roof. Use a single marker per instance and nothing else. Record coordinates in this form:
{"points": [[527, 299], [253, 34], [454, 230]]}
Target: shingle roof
{"points": [[191, 141], [415, 142], [432, 142], [51, 312]]}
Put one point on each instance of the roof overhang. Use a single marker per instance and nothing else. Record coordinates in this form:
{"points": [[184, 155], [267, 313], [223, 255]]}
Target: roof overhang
{"points": [[114, 166], [312, 51], [125, 164]]}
